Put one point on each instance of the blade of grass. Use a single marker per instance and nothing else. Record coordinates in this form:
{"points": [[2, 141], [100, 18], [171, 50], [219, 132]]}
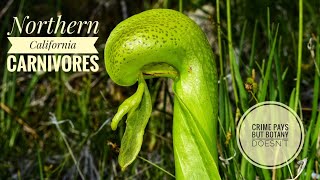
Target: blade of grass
{"points": [[3, 29], [155, 165], [299, 55], [166, 4], [268, 26], [243, 32], [314, 108], [262, 95], [294, 45], [278, 72], [219, 39], [54, 121], [181, 5], [235, 93], [236, 77], [272, 89], [26, 100], [253, 46], [292, 98], [314, 126], [8, 94], [242, 91], [222, 104], [40, 164]]}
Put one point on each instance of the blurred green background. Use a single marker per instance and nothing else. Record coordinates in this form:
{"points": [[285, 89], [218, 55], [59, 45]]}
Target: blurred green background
{"points": [[52, 124]]}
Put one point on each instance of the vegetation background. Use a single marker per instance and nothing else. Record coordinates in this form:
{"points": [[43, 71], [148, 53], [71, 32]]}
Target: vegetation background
{"points": [[52, 124]]}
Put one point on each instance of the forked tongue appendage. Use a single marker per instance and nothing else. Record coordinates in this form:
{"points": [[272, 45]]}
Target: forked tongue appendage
{"points": [[138, 107], [128, 105]]}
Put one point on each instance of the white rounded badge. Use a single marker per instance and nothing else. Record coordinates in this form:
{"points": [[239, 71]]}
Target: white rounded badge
{"points": [[270, 135]]}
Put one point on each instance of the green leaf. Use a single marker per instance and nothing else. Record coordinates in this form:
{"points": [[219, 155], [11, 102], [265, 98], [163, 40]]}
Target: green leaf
{"points": [[136, 123], [198, 145]]}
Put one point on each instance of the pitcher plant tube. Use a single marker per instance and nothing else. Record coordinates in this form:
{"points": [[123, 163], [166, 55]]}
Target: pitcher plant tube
{"points": [[166, 43]]}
